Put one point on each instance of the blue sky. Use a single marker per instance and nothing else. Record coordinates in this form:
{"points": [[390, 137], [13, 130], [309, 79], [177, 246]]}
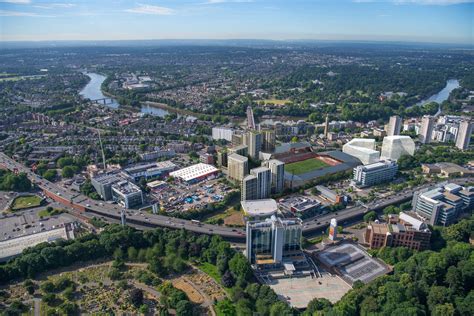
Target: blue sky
{"points": [[394, 20]]}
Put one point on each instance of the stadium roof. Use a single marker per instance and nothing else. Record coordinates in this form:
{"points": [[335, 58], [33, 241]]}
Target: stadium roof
{"points": [[286, 147]]}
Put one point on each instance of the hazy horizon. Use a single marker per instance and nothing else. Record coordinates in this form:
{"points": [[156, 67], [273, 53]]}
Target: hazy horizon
{"points": [[419, 21]]}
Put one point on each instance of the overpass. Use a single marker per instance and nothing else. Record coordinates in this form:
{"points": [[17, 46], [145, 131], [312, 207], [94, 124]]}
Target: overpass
{"points": [[89, 208]]}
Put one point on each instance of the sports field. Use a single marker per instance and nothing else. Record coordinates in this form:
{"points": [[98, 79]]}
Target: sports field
{"points": [[304, 166], [25, 201]]}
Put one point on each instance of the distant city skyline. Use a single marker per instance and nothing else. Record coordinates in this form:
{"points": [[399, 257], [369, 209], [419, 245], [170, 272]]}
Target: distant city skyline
{"points": [[437, 21]]}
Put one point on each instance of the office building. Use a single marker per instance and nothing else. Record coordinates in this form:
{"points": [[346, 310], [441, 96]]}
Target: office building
{"points": [[150, 170], [242, 150], [249, 188], [274, 241], [237, 139], [464, 135], [467, 196], [253, 140], [426, 129], [222, 158], [362, 149], [268, 140], [206, 158], [375, 173], [331, 195], [127, 194], [443, 204], [264, 182], [219, 133], [299, 205], [277, 169], [103, 183], [393, 147], [401, 231], [238, 167], [394, 125]]}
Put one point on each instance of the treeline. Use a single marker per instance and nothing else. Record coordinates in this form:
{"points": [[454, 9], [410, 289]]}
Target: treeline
{"points": [[165, 251], [433, 154], [12, 182]]}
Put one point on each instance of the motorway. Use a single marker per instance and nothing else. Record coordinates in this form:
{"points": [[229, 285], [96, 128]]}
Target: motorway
{"points": [[89, 208]]}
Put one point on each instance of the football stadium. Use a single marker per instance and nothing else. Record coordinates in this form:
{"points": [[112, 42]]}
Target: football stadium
{"points": [[302, 165]]}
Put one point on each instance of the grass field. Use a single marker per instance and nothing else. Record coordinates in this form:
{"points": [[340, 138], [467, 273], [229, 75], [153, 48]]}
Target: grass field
{"points": [[210, 270], [27, 201], [17, 78], [305, 166], [276, 101]]}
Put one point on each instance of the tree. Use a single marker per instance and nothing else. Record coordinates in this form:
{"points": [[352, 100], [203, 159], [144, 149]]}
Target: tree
{"points": [[132, 253], [68, 308], [65, 161], [29, 286], [239, 266], [144, 309], [280, 309], [50, 174], [228, 279], [184, 308], [454, 279], [155, 265], [370, 216], [225, 307], [136, 297], [67, 172], [391, 210], [49, 298], [443, 310], [437, 295], [318, 304]]}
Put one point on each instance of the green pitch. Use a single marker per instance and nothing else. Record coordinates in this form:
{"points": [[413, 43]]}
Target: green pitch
{"points": [[305, 166]]}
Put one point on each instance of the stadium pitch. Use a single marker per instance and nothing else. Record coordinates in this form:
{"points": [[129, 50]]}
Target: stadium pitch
{"points": [[305, 166]]}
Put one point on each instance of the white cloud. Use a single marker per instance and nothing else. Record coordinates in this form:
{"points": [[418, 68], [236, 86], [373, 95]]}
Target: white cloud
{"points": [[226, 1], [151, 9], [55, 5], [16, 1], [432, 2], [23, 14], [421, 2]]}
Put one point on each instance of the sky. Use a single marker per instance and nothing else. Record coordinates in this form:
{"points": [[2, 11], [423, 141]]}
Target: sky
{"points": [[436, 21]]}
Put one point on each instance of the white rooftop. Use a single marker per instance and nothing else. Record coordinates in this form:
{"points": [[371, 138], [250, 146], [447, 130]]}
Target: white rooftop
{"points": [[266, 207], [416, 223], [15, 246], [194, 171]]}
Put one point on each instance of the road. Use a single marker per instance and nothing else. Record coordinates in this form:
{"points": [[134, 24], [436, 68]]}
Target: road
{"points": [[90, 208]]}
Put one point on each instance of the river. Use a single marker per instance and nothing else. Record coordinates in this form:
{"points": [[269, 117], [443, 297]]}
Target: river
{"points": [[93, 91], [441, 96]]}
